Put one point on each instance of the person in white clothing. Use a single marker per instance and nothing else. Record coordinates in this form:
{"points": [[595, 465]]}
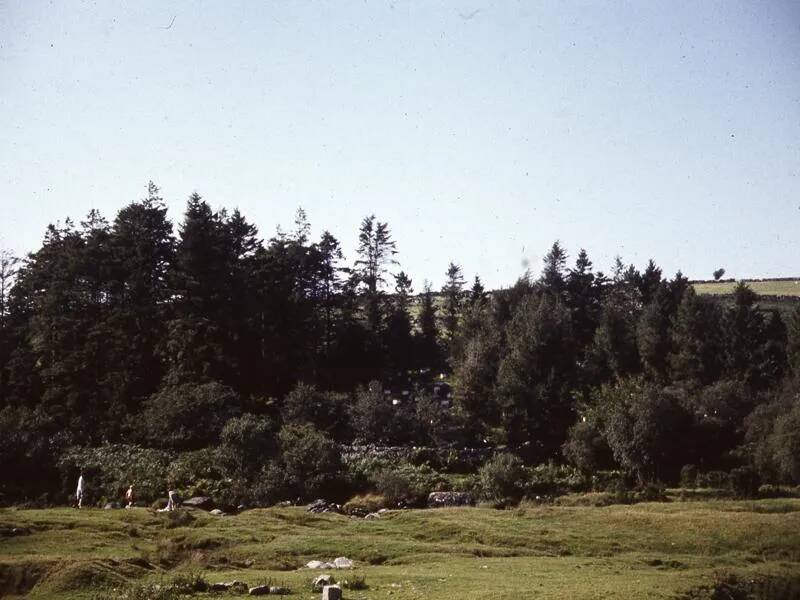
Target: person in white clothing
{"points": [[172, 500], [79, 491], [129, 496]]}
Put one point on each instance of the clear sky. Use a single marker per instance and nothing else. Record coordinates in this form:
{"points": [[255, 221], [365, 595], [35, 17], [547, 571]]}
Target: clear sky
{"points": [[481, 131]]}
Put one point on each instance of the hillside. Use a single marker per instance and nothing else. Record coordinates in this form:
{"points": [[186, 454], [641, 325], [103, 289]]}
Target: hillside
{"points": [[674, 550]]}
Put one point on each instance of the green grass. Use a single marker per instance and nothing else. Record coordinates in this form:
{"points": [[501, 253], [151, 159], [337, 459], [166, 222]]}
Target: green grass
{"points": [[653, 550], [763, 288]]}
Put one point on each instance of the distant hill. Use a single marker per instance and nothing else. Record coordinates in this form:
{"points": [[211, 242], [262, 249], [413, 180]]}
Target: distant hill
{"points": [[788, 287]]}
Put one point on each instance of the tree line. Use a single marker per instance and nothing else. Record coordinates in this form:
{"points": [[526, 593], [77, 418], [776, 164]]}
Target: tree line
{"points": [[131, 332]]}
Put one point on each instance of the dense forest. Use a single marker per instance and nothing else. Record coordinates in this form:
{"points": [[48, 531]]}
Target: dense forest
{"points": [[210, 360]]}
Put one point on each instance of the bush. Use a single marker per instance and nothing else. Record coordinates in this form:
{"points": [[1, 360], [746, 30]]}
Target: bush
{"points": [[365, 503], [555, 480], [326, 411], [586, 449], [407, 484], [249, 441], [502, 478], [110, 469], [713, 479], [688, 476], [308, 467], [187, 416], [744, 482], [208, 472]]}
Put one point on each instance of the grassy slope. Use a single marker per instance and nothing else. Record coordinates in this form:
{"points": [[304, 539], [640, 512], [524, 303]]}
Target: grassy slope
{"points": [[763, 288], [643, 551]]}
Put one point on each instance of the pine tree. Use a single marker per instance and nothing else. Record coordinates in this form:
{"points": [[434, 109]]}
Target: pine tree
{"points": [[453, 301], [376, 250], [427, 338], [555, 262]]}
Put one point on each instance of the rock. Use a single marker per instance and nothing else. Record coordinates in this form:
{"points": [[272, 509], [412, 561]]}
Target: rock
{"points": [[259, 590], [358, 511], [323, 506], [331, 592], [217, 512], [317, 564], [442, 499], [201, 502], [230, 586], [278, 590], [321, 581], [112, 505], [374, 515], [343, 563]]}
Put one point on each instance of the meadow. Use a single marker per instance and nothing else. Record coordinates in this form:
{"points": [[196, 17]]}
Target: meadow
{"points": [[650, 550], [767, 287]]}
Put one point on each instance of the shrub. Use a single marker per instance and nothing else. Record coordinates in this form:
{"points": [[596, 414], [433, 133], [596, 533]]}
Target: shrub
{"points": [[187, 416], [326, 411], [586, 449], [554, 480], [502, 478], [308, 467], [365, 503], [249, 441], [713, 479], [408, 484], [110, 469], [688, 476], [744, 481]]}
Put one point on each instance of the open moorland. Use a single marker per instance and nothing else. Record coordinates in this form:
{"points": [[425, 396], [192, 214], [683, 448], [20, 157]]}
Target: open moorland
{"points": [[650, 550]]}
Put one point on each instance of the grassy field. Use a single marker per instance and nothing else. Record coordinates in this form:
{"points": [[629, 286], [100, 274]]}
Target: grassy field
{"points": [[652, 550], [763, 288]]}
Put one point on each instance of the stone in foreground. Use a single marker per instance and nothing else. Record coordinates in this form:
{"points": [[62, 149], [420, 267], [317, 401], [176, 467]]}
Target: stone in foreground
{"points": [[259, 590], [331, 592], [321, 581], [229, 586]]}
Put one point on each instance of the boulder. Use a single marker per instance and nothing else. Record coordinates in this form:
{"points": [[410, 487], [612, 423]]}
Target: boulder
{"points": [[323, 506], [217, 512], [343, 563], [259, 590], [331, 592], [321, 581], [201, 502], [112, 505], [443, 499], [230, 586], [371, 516], [278, 590]]}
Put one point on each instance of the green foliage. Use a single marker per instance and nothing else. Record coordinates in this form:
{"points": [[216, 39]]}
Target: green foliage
{"points": [[502, 478], [111, 468], [639, 421], [533, 377], [586, 449], [187, 416], [744, 482], [249, 440], [406, 484], [307, 467], [773, 435], [327, 411]]}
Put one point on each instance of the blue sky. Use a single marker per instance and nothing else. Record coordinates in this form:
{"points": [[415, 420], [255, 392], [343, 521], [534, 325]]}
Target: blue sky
{"points": [[481, 131]]}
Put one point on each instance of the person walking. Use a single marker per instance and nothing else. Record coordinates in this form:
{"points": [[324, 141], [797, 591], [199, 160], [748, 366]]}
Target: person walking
{"points": [[172, 500], [129, 496], [79, 491]]}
